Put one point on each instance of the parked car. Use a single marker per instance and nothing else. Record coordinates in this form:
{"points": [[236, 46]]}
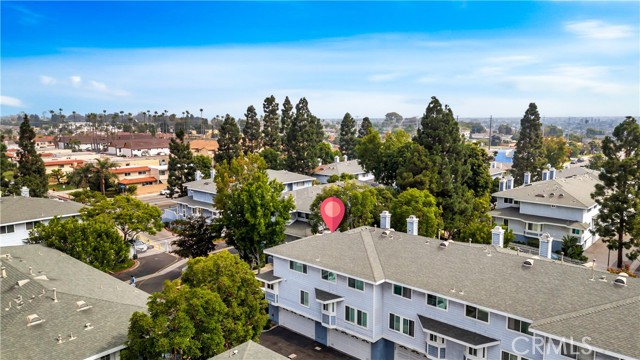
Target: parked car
{"points": [[165, 192], [140, 246]]}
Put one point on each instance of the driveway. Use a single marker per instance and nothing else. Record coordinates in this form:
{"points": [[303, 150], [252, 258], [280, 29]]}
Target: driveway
{"points": [[286, 342]]}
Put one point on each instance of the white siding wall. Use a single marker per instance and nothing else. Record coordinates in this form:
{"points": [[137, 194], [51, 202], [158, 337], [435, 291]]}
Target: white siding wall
{"points": [[20, 234], [559, 212], [202, 196]]}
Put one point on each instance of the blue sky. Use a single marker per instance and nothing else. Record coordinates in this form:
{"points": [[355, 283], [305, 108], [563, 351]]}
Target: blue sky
{"points": [[366, 58]]}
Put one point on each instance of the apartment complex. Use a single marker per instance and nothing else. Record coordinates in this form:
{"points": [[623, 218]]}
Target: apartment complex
{"points": [[374, 293], [337, 168]]}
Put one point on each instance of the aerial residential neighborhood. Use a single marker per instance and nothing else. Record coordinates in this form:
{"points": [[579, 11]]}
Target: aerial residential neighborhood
{"points": [[320, 180]]}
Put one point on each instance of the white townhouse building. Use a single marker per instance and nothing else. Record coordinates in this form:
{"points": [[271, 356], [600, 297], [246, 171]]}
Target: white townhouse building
{"points": [[560, 205], [351, 167], [200, 193], [374, 293], [20, 214]]}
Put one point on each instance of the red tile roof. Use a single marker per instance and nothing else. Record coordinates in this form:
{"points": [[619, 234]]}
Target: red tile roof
{"points": [[137, 181], [122, 170], [63, 162]]}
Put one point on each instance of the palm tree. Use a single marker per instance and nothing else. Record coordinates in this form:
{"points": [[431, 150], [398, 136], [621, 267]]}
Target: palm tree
{"points": [[79, 177], [102, 169]]}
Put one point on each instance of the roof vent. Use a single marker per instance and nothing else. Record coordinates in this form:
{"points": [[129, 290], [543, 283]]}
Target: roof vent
{"points": [[88, 326], [528, 263], [444, 244], [41, 277], [552, 195], [540, 195], [82, 305], [621, 280], [561, 196], [386, 233], [22, 282], [34, 319]]}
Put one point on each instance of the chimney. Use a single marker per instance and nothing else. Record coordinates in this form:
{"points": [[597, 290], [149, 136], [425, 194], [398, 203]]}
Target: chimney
{"points": [[24, 191], [412, 225], [198, 175], [336, 159], [545, 174], [494, 164], [497, 236], [502, 185], [4, 272], [546, 242], [385, 220], [527, 178], [55, 295], [212, 173], [345, 158], [509, 183], [552, 173]]}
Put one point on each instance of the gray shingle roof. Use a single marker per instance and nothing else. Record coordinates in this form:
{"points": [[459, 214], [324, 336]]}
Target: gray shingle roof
{"points": [[268, 277], [325, 296], [20, 209], [545, 290], [514, 213], [283, 176], [193, 203], [454, 332], [345, 167], [249, 351], [572, 191], [112, 304], [303, 198]]}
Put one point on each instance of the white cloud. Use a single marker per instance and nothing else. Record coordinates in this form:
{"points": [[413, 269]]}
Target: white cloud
{"points": [[76, 80], [599, 30], [47, 80], [10, 101], [384, 77]]}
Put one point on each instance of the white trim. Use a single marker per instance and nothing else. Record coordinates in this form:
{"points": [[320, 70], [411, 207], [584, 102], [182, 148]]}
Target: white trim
{"points": [[426, 302], [475, 318], [356, 315], [458, 341], [364, 286], [317, 267], [61, 217], [402, 325], [335, 281], [517, 331], [299, 298], [393, 292], [107, 352]]}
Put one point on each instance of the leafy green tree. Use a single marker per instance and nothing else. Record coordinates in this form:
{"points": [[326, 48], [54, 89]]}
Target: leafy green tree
{"points": [[596, 162], [253, 213], [552, 131], [326, 154], [102, 171], [273, 159], [130, 215], [383, 159], [505, 129], [365, 128], [230, 277], [94, 241], [183, 322], [80, 177], [477, 159], [393, 118], [618, 194], [529, 154], [87, 197], [203, 164], [31, 171], [252, 136], [419, 203], [478, 227], [556, 151], [57, 175], [571, 248], [7, 169], [181, 169], [348, 137], [303, 139], [229, 146], [195, 237], [509, 236], [271, 124], [287, 118]]}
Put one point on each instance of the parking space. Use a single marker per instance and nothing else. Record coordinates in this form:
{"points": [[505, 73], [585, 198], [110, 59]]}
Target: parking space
{"points": [[287, 342]]}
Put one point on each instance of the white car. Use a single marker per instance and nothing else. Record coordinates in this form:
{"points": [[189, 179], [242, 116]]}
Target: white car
{"points": [[165, 192], [140, 246]]}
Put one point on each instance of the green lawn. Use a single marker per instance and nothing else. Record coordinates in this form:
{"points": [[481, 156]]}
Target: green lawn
{"points": [[60, 187]]}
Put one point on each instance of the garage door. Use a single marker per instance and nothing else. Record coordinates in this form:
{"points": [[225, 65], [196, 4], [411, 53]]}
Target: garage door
{"points": [[403, 353], [298, 323], [350, 344]]}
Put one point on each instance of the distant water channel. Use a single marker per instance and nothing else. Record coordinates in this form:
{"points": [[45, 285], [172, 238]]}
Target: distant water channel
{"points": [[505, 156]]}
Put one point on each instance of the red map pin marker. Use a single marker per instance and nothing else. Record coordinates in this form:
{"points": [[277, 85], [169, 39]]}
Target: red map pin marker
{"points": [[332, 211]]}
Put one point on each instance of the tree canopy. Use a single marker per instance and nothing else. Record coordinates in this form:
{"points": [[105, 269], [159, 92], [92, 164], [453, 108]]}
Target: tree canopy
{"points": [[229, 146], [365, 128], [419, 203], [181, 169], [529, 154], [251, 133], [303, 137], [348, 137], [195, 237], [618, 220], [31, 171], [253, 213], [271, 124], [556, 151], [7, 169]]}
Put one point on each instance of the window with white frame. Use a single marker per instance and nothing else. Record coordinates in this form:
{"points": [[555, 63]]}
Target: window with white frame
{"points": [[269, 286], [510, 356], [355, 316], [475, 354], [436, 346], [534, 227], [575, 352], [329, 308], [402, 325], [400, 290], [508, 201], [304, 298], [299, 267], [519, 326], [576, 231], [328, 276], [478, 314], [437, 301], [7, 229], [32, 224], [355, 284]]}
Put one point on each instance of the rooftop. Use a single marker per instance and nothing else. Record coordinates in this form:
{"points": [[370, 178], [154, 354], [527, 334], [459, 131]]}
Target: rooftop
{"points": [[18, 209], [91, 314], [283, 176], [125, 169], [249, 351], [344, 167]]}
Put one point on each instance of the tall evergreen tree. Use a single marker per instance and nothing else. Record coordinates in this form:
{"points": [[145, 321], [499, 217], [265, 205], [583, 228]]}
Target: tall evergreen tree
{"points": [[303, 140], [271, 124], [31, 170], [348, 138], [229, 141], [529, 154], [619, 193], [181, 169], [365, 128], [7, 169], [252, 137], [287, 117]]}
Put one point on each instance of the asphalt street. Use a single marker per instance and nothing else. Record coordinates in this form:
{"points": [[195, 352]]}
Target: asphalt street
{"points": [[148, 265]]}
